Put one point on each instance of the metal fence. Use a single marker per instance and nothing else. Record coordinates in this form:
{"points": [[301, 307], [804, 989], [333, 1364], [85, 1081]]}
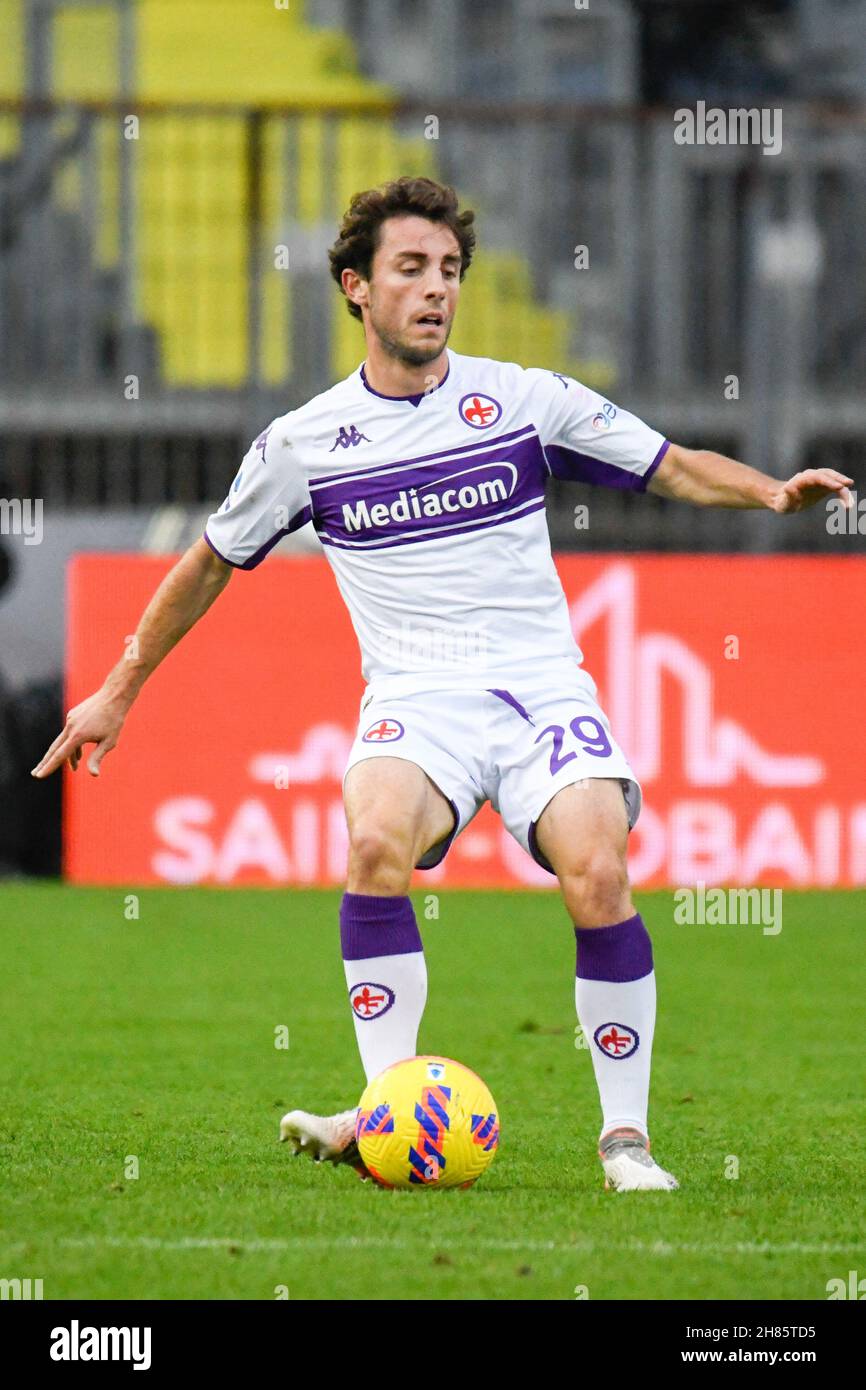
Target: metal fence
{"points": [[164, 286]]}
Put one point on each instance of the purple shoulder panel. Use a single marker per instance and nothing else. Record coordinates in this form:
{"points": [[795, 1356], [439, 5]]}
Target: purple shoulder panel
{"points": [[575, 467]]}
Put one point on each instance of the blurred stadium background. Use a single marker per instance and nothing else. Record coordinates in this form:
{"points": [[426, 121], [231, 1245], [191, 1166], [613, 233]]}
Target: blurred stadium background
{"points": [[173, 171]]}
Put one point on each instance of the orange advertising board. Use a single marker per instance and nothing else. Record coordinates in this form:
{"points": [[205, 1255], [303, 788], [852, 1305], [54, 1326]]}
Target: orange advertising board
{"points": [[734, 684]]}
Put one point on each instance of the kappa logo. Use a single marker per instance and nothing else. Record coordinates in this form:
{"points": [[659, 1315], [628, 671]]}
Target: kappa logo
{"points": [[346, 438], [385, 731], [616, 1040], [370, 1000], [480, 411]]}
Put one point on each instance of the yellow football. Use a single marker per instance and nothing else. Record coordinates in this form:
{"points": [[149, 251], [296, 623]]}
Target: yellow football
{"points": [[427, 1122]]}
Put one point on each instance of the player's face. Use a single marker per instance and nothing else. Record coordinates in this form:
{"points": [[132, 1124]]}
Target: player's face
{"points": [[413, 288]]}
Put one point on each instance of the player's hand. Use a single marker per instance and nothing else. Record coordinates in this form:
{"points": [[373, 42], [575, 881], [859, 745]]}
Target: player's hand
{"points": [[98, 719], [809, 487]]}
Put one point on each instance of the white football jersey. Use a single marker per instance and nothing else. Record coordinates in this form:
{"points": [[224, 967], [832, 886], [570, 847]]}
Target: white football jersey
{"points": [[430, 509]]}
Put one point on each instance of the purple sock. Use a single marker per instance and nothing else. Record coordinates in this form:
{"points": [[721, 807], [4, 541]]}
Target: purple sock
{"points": [[372, 926], [618, 953], [615, 997], [387, 977]]}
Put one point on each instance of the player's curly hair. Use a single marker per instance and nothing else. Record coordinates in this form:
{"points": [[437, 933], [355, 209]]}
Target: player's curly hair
{"points": [[359, 235]]}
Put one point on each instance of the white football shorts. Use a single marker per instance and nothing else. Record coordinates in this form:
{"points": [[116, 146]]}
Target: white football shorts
{"points": [[515, 742]]}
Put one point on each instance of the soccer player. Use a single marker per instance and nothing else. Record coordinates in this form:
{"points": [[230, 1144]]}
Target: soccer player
{"points": [[423, 474]]}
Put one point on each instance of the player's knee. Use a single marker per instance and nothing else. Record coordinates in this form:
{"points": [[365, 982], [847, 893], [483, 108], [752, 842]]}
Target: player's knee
{"points": [[596, 888], [379, 859]]}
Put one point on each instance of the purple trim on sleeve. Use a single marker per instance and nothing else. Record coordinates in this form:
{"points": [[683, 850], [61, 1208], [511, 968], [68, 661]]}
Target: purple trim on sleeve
{"points": [[377, 926], [219, 554], [617, 954], [583, 468], [655, 463], [298, 520]]}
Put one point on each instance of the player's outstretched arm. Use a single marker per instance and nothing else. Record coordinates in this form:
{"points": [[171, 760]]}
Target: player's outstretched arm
{"points": [[711, 480], [185, 594]]}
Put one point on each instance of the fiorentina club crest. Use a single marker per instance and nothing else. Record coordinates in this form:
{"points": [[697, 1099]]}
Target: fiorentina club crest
{"points": [[616, 1040], [370, 1000], [384, 731], [479, 411]]}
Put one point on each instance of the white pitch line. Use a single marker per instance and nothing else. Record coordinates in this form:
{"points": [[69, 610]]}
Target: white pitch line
{"points": [[584, 1247]]}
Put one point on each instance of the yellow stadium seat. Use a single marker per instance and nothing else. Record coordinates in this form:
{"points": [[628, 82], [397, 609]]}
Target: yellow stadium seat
{"points": [[191, 187], [11, 70]]}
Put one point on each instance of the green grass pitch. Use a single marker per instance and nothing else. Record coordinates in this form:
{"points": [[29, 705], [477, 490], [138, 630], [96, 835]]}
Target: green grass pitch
{"points": [[153, 1040]]}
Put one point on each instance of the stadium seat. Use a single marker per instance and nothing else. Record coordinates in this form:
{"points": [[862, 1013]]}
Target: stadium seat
{"points": [[192, 180]]}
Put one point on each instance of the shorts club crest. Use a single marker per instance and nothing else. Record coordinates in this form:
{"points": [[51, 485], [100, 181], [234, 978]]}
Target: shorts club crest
{"points": [[384, 731], [514, 743]]}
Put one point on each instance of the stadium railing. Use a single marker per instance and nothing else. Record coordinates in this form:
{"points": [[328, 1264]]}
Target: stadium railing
{"points": [[164, 285]]}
